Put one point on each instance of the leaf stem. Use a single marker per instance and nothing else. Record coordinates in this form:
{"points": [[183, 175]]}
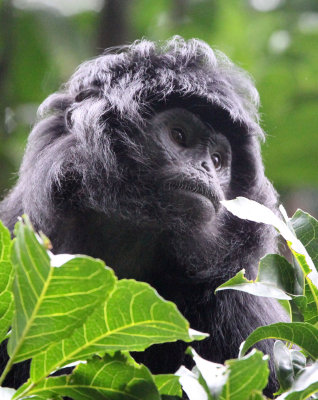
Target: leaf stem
{"points": [[6, 370]]}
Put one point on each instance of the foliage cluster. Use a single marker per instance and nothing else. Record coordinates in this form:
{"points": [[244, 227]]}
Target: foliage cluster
{"points": [[72, 310]]}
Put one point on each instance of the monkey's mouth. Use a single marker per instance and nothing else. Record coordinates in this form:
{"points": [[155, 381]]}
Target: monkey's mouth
{"points": [[200, 189]]}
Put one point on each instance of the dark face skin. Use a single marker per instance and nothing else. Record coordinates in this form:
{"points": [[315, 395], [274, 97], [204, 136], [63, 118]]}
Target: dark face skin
{"points": [[194, 163], [166, 196]]}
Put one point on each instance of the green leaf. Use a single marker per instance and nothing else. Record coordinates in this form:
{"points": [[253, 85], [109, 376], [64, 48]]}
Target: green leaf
{"points": [[283, 365], [306, 229], [6, 278], [311, 313], [299, 308], [275, 278], [168, 385], [133, 318], [115, 377], [51, 302], [310, 288], [240, 283], [300, 333], [277, 271], [256, 395], [5, 247], [288, 363], [247, 375]]}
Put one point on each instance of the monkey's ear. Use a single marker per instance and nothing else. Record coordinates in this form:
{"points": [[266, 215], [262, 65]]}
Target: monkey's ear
{"points": [[84, 94], [81, 96]]}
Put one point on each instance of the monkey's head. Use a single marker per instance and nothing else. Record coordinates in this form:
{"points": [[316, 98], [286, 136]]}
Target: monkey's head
{"points": [[148, 135]]}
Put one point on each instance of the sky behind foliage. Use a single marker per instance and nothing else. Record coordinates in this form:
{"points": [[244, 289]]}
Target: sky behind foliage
{"points": [[42, 41]]}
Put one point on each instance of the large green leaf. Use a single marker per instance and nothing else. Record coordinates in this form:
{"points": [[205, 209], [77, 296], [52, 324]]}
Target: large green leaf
{"points": [[115, 377], [6, 277], [300, 333], [133, 318], [51, 301]]}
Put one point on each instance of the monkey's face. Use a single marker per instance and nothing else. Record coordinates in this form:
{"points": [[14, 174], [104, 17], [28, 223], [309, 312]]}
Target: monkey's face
{"points": [[189, 167]]}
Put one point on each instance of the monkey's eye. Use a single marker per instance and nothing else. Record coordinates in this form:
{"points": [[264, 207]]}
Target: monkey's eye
{"points": [[179, 136], [217, 161]]}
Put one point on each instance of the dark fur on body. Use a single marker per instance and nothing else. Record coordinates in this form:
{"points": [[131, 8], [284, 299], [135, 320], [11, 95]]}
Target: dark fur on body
{"points": [[93, 181]]}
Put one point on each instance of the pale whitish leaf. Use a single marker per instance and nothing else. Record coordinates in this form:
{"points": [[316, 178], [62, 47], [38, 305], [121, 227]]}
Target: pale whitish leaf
{"points": [[305, 385], [6, 277], [283, 365], [6, 393], [57, 260], [215, 375], [190, 384], [264, 289], [197, 335], [253, 211], [275, 279], [51, 302], [288, 364], [133, 318], [39, 398], [115, 377]]}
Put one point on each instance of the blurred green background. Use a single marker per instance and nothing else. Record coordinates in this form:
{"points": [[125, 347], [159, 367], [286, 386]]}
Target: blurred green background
{"points": [[42, 41]]}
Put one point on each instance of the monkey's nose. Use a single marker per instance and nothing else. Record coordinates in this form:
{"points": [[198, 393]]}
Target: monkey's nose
{"points": [[206, 166]]}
